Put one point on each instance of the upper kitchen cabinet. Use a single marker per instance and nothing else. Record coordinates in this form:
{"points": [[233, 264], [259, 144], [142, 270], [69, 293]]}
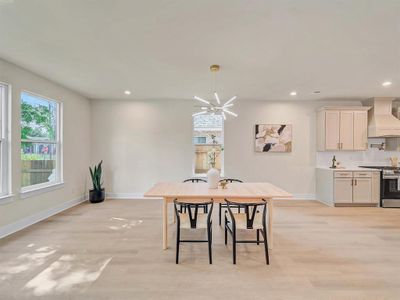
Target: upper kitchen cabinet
{"points": [[342, 128]]}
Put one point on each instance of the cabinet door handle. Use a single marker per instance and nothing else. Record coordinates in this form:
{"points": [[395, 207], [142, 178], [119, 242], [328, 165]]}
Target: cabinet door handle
{"points": [[352, 182], [355, 181], [338, 145]]}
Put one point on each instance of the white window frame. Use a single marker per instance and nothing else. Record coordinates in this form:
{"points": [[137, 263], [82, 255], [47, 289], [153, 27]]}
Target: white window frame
{"points": [[194, 174], [5, 142], [35, 189]]}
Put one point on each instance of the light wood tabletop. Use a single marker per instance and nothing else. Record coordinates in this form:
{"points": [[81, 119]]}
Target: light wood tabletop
{"points": [[200, 191], [248, 190]]}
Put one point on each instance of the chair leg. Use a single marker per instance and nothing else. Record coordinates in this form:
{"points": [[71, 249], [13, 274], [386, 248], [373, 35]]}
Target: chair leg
{"points": [[209, 233], [234, 245], [178, 236], [226, 231], [258, 236], [219, 214], [264, 232]]}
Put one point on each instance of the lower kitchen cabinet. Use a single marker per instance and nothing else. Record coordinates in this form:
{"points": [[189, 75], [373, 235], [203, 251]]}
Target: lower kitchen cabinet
{"points": [[343, 190], [362, 190], [348, 187]]}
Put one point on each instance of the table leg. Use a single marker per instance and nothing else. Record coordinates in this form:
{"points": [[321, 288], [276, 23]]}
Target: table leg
{"points": [[165, 224], [270, 223]]}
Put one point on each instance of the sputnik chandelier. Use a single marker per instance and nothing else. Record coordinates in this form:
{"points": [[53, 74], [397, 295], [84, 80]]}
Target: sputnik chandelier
{"points": [[215, 108]]}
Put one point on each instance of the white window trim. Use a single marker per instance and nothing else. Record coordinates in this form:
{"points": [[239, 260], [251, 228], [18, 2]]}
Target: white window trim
{"points": [[203, 175], [6, 195], [36, 189], [6, 199]]}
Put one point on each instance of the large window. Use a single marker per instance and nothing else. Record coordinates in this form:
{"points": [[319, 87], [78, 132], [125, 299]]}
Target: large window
{"points": [[5, 188], [40, 142], [208, 139]]}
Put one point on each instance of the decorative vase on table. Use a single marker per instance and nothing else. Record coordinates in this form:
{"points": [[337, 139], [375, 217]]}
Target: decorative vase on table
{"points": [[213, 173], [213, 178]]}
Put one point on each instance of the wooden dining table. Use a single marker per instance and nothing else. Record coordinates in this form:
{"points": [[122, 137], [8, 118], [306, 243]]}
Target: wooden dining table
{"points": [[243, 192]]}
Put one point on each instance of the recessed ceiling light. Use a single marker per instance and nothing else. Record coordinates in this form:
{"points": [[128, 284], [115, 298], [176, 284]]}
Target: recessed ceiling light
{"points": [[294, 93], [127, 92], [317, 92], [387, 83]]}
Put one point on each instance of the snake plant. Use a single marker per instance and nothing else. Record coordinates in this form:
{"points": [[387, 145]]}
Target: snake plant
{"points": [[96, 177]]}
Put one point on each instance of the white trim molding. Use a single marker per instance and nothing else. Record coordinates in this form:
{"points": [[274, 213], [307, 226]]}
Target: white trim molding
{"points": [[139, 196], [38, 189], [302, 197], [133, 196], [4, 199], [40, 216]]}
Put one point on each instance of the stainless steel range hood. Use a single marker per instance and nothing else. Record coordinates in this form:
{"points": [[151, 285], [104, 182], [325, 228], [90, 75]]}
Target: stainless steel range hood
{"points": [[381, 122]]}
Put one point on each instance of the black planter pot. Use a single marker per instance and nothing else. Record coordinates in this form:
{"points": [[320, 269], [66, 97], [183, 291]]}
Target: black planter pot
{"points": [[96, 196]]}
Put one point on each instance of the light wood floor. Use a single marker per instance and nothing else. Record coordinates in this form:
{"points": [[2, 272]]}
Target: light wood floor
{"points": [[113, 251]]}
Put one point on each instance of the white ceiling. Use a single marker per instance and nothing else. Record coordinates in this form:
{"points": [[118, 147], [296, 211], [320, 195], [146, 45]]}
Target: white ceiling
{"points": [[162, 49]]}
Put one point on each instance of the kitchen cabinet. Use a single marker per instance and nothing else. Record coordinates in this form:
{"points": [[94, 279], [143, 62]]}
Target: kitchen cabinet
{"points": [[343, 190], [332, 123], [342, 128], [362, 190], [348, 187], [360, 130], [346, 130]]}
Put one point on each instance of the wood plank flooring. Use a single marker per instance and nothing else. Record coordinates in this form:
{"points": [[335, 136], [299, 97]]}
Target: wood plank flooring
{"points": [[113, 251]]}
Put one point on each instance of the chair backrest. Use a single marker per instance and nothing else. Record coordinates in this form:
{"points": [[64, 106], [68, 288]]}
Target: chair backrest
{"points": [[195, 180], [192, 209], [250, 209], [231, 180]]}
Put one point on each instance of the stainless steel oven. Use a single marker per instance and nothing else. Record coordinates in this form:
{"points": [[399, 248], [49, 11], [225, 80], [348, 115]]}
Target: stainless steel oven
{"points": [[390, 189], [390, 185]]}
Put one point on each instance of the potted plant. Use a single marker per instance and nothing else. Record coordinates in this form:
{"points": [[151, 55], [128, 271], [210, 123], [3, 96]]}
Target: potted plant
{"points": [[97, 194]]}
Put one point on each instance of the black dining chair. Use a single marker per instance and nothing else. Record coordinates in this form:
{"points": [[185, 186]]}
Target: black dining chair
{"points": [[251, 219], [194, 180], [223, 205], [193, 219]]}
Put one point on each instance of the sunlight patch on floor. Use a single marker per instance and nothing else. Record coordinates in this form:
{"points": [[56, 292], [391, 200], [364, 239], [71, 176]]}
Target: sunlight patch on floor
{"points": [[26, 262], [121, 223], [65, 274]]}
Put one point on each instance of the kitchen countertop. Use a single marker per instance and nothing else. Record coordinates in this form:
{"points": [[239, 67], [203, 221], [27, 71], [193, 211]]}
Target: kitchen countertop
{"points": [[350, 169]]}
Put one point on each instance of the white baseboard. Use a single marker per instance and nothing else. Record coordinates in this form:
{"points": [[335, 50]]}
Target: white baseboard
{"points": [[139, 196], [28, 221], [304, 197], [131, 196], [326, 203]]}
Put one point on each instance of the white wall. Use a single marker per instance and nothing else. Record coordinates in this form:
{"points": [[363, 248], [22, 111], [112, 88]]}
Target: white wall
{"points": [[292, 171], [76, 144], [143, 142]]}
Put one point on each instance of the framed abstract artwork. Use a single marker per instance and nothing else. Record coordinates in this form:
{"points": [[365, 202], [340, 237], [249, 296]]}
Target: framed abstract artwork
{"points": [[273, 138]]}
